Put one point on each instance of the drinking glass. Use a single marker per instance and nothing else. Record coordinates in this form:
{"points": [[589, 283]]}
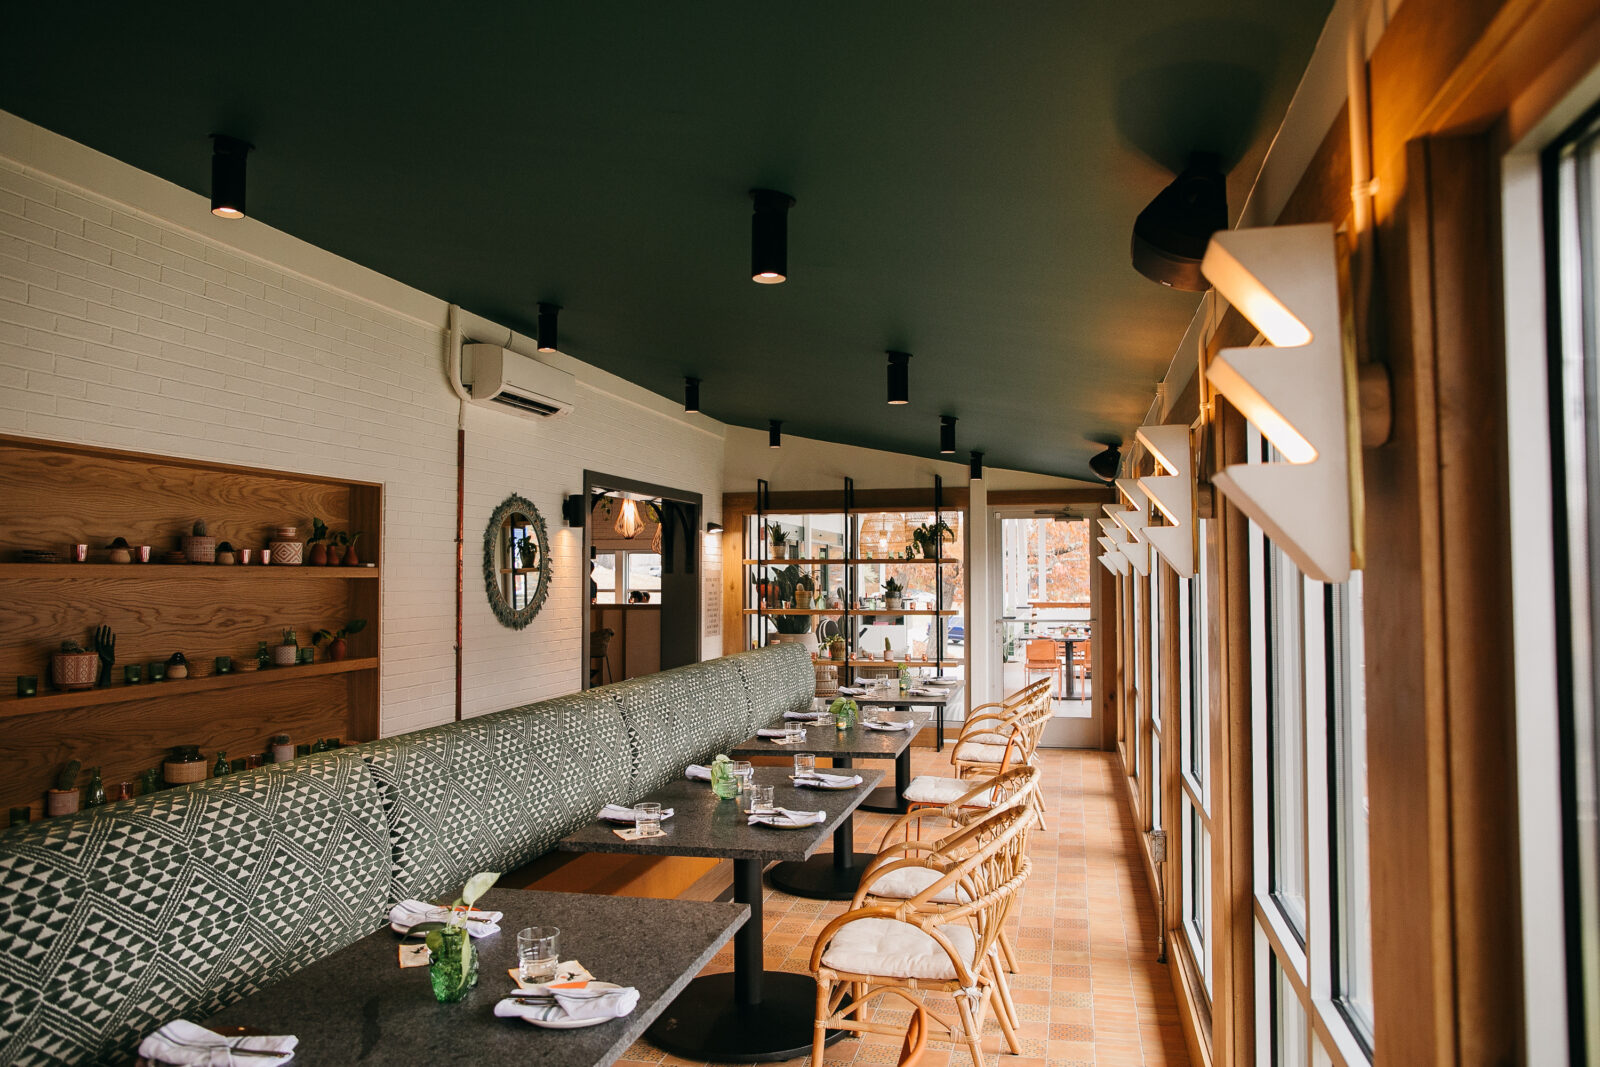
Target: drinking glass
{"points": [[743, 772], [539, 949], [794, 732], [647, 817], [761, 799], [805, 764]]}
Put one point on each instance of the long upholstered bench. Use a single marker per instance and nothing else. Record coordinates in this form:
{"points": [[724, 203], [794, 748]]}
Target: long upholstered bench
{"points": [[121, 917]]}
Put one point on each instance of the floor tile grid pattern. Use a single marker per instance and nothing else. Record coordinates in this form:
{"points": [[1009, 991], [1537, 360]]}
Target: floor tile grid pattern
{"points": [[1089, 990]]}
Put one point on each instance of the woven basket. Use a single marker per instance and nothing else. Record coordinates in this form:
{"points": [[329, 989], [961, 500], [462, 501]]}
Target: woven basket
{"points": [[180, 773], [827, 679]]}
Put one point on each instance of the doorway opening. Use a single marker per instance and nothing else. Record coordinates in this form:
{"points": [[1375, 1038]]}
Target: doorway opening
{"points": [[642, 544]]}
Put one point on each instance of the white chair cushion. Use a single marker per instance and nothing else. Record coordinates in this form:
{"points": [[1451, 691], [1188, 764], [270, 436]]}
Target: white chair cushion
{"points": [[893, 949], [973, 752], [930, 789], [907, 882], [984, 737]]}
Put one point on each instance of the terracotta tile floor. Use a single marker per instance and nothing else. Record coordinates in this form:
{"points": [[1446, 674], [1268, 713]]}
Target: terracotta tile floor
{"points": [[1089, 990]]}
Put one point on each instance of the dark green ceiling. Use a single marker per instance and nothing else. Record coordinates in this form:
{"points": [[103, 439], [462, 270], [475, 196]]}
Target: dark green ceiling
{"points": [[967, 175]]}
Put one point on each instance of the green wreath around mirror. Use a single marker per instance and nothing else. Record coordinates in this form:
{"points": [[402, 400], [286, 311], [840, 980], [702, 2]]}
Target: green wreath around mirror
{"points": [[516, 561]]}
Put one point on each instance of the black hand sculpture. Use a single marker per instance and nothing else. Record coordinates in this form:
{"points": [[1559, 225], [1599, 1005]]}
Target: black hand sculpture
{"points": [[105, 643]]}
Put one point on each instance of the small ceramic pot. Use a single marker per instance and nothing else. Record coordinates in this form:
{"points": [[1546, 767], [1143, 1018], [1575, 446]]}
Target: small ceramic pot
{"points": [[200, 549], [121, 555], [282, 753], [75, 670], [286, 553], [285, 655], [61, 801]]}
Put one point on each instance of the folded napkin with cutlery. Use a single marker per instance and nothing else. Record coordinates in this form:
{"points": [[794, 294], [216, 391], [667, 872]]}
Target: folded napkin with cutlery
{"points": [[183, 1042], [852, 691], [827, 780], [789, 817], [772, 731], [623, 813], [409, 913], [808, 716], [698, 773], [552, 1003], [888, 725]]}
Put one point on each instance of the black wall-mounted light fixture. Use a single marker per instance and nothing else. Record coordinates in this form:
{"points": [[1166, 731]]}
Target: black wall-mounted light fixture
{"points": [[899, 377], [775, 434], [691, 394], [573, 509], [975, 470], [947, 435], [1106, 464], [1171, 233], [547, 326], [713, 527], [769, 236], [227, 176]]}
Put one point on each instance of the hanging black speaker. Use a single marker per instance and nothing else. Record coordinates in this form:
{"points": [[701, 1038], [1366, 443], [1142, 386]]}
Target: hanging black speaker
{"points": [[1170, 235]]}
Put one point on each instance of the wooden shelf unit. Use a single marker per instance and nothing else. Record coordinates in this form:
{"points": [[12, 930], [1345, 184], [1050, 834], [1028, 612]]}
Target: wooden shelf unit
{"points": [[853, 611], [58, 495]]}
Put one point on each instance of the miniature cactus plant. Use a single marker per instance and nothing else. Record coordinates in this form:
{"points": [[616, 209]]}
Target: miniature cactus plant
{"points": [[67, 777]]}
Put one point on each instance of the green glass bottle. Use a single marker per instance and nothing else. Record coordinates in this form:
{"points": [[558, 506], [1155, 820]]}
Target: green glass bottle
{"points": [[96, 793], [220, 768]]}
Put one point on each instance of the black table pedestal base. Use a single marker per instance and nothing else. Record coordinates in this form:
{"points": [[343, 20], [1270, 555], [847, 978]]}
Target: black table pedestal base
{"points": [[820, 878], [704, 1023], [884, 800]]}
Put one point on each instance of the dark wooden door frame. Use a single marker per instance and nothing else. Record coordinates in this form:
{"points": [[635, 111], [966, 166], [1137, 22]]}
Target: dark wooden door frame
{"points": [[596, 481]]}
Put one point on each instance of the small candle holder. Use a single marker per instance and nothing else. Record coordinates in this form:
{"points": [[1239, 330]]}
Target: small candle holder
{"points": [[19, 816], [133, 673], [247, 556], [144, 553], [157, 671], [80, 553], [27, 685], [224, 664], [307, 654]]}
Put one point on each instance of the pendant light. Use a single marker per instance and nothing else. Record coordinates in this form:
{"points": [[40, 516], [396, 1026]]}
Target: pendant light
{"points": [[691, 394], [975, 471], [775, 434], [628, 521], [947, 435], [769, 236], [899, 377], [227, 176], [547, 326]]}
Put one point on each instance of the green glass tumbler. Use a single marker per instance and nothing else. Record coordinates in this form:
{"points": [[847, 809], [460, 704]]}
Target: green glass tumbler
{"points": [[724, 782]]}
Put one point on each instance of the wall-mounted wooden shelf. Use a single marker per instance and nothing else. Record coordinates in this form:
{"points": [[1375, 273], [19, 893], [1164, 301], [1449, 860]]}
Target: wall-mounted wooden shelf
{"points": [[58, 494], [11, 707], [173, 571]]}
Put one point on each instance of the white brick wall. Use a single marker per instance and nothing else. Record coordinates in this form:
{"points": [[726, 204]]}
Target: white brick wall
{"points": [[119, 327]]}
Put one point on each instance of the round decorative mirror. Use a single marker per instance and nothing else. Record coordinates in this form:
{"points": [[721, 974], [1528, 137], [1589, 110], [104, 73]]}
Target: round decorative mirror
{"points": [[516, 562]]}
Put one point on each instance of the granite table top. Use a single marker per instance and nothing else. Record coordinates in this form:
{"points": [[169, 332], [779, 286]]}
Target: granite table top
{"points": [[359, 1006], [829, 740], [935, 697], [705, 825]]}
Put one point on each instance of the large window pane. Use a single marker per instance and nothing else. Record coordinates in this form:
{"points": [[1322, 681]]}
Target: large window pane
{"points": [[1197, 887], [1286, 742], [1347, 708], [1155, 781], [1192, 687]]}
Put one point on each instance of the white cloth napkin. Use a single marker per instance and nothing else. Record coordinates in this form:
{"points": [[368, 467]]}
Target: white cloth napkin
{"points": [[623, 813], [807, 716], [889, 725], [544, 1004], [772, 731], [789, 817], [819, 778], [698, 773], [409, 913], [852, 691], [184, 1042]]}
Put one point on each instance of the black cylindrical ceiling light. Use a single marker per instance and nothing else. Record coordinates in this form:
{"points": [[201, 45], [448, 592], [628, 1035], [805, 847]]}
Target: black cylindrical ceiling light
{"points": [[547, 326], [899, 377], [947, 435], [975, 471], [775, 434], [769, 236], [691, 394], [227, 176]]}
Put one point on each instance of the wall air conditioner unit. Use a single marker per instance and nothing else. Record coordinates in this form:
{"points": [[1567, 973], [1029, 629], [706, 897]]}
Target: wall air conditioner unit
{"points": [[499, 377]]}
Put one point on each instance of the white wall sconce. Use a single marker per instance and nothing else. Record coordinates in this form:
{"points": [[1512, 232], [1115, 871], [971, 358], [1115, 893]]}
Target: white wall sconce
{"points": [[1133, 520], [1115, 562], [1297, 391], [1172, 494]]}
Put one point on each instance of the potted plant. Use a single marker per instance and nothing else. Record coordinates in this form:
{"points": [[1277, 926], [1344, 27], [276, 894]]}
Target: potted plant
{"points": [[453, 961], [282, 750], [778, 540], [892, 591], [74, 667], [318, 543], [836, 648], [927, 537], [288, 653], [804, 586], [844, 712], [199, 546], [63, 799], [337, 649]]}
